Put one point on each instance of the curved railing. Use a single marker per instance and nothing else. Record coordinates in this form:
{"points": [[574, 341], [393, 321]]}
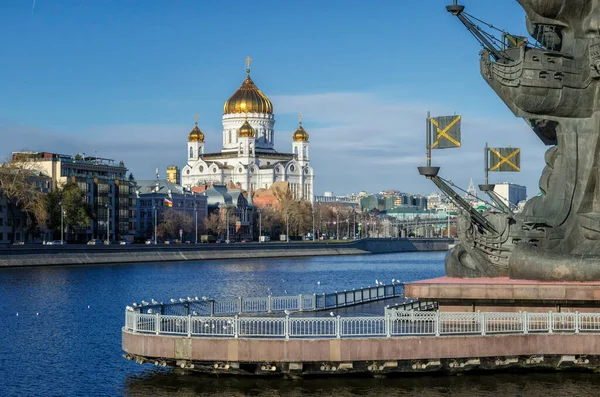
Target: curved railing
{"points": [[393, 323], [270, 304]]}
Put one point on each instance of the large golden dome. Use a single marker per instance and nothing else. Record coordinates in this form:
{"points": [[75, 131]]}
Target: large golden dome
{"points": [[246, 130], [196, 135], [248, 99]]}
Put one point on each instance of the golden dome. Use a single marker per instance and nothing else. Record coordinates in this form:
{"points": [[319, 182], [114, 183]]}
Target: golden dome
{"points": [[246, 130], [248, 99], [300, 135], [196, 135]]}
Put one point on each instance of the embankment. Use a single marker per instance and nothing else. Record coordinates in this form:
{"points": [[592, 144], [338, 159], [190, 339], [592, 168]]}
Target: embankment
{"points": [[25, 256]]}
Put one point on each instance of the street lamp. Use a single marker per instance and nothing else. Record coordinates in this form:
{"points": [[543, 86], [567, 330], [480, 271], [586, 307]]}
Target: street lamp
{"points": [[313, 230], [227, 223], [196, 216], [107, 224], [287, 226], [62, 228], [259, 225], [154, 208], [337, 222]]}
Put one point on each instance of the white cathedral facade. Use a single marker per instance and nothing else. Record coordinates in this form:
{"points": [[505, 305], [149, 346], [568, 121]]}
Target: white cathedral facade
{"points": [[248, 158]]}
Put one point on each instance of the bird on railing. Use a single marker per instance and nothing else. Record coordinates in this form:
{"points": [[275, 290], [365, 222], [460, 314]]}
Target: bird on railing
{"points": [[128, 308], [206, 325], [181, 300], [213, 326], [204, 298], [154, 302], [135, 304], [229, 322], [173, 300], [144, 303], [393, 280], [150, 311], [376, 282], [287, 312], [189, 299], [332, 314], [318, 283], [196, 298]]}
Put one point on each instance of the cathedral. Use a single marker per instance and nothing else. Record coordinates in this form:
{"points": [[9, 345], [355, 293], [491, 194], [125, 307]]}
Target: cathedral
{"points": [[248, 158]]}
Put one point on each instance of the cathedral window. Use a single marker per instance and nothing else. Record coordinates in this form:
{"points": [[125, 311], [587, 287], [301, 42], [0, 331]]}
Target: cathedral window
{"points": [[296, 151], [191, 152], [201, 169], [292, 168], [304, 153], [229, 136]]}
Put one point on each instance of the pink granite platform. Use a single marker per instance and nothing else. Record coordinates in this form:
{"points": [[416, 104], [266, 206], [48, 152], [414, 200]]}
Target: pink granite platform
{"points": [[504, 294]]}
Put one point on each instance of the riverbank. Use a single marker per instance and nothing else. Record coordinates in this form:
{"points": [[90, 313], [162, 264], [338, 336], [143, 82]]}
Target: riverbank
{"points": [[31, 256]]}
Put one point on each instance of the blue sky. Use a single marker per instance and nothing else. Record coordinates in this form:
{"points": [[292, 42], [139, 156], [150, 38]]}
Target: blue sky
{"points": [[124, 79]]}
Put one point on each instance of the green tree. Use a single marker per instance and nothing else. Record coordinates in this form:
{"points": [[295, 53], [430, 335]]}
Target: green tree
{"points": [[75, 209]]}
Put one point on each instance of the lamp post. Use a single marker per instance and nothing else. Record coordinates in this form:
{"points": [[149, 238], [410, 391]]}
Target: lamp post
{"points": [[107, 224], [62, 228], [337, 223], [227, 223], [155, 215], [287, 226], [196, 216], [259, 225], [313, 229]]}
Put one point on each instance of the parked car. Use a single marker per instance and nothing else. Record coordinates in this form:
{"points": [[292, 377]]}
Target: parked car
{"points": [[124, 242], [58, 242], [95, 241], [149, 242]]}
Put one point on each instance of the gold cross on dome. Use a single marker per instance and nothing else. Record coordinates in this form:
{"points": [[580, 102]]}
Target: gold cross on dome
{"points": [[300, 117], [196, 118], [248, 60]]}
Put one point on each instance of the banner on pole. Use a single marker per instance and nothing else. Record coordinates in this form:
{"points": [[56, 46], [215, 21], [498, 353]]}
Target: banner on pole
{"points": [[505, 159], [446, 133]]}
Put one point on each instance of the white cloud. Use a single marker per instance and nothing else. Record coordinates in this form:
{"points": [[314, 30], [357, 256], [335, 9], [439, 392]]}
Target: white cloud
{"points": [[359, 141]]}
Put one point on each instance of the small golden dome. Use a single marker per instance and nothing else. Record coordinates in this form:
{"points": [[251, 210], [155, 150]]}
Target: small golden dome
{"points": [[248, 99], [300, 135], [246, 130], [196, 135]]}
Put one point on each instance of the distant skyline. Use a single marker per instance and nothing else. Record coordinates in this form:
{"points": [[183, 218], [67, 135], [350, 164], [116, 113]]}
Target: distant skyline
{"points": [[124, 80]]}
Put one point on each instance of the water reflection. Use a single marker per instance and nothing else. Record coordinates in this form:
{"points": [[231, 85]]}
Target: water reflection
{"points": [[167, 383]]}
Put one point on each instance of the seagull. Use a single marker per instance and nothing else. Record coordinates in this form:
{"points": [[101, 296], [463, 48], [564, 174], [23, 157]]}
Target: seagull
{"points": [[135, 304], [376, 282], [204, 298], [89, 307], [37, 314], [189, 299], [213, 326], [195, 313], [318, 283], [206, 325], [17, 314], [229, 322], [144, 303], [154, 302], [172, 300], [285, 290], [181, 300], [196, 298], [332, 314], [287, 312], [150, 311], [393, 280]]}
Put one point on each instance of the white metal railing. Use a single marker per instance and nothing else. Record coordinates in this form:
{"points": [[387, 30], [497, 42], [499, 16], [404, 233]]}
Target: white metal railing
{"points": [[270, 304], [393, 323]]}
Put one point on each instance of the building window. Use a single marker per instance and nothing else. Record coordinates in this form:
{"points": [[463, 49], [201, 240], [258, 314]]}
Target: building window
{"points": [[191, 152], [201, 169]]}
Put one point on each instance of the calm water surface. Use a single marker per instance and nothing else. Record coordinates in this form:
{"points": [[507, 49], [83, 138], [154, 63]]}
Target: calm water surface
{"points": [[57, 346]]}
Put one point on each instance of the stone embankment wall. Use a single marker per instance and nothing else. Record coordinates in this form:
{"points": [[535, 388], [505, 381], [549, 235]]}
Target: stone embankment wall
{"points": [[20, 256]]}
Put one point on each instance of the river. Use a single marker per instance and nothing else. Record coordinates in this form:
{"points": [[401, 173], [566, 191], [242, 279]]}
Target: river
{"points": [[61, 329]]}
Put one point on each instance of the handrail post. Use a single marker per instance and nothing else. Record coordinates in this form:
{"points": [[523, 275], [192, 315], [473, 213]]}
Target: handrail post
{"points": [[212, 308], [338, 327], [268, 303], [388, 325], [157, 324], [314, 302], [525, 320], [336, 299], [135, 321], [550, 322], [286, 327], [437, 323], [482, 321], [300, 302], [189, 326], [240, 305], [577, 322], [236, 327], [324, 301]]}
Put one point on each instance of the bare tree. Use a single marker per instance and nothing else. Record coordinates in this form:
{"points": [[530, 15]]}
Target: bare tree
{"points": [[171, 221], [25, 200], [214, 224]]}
